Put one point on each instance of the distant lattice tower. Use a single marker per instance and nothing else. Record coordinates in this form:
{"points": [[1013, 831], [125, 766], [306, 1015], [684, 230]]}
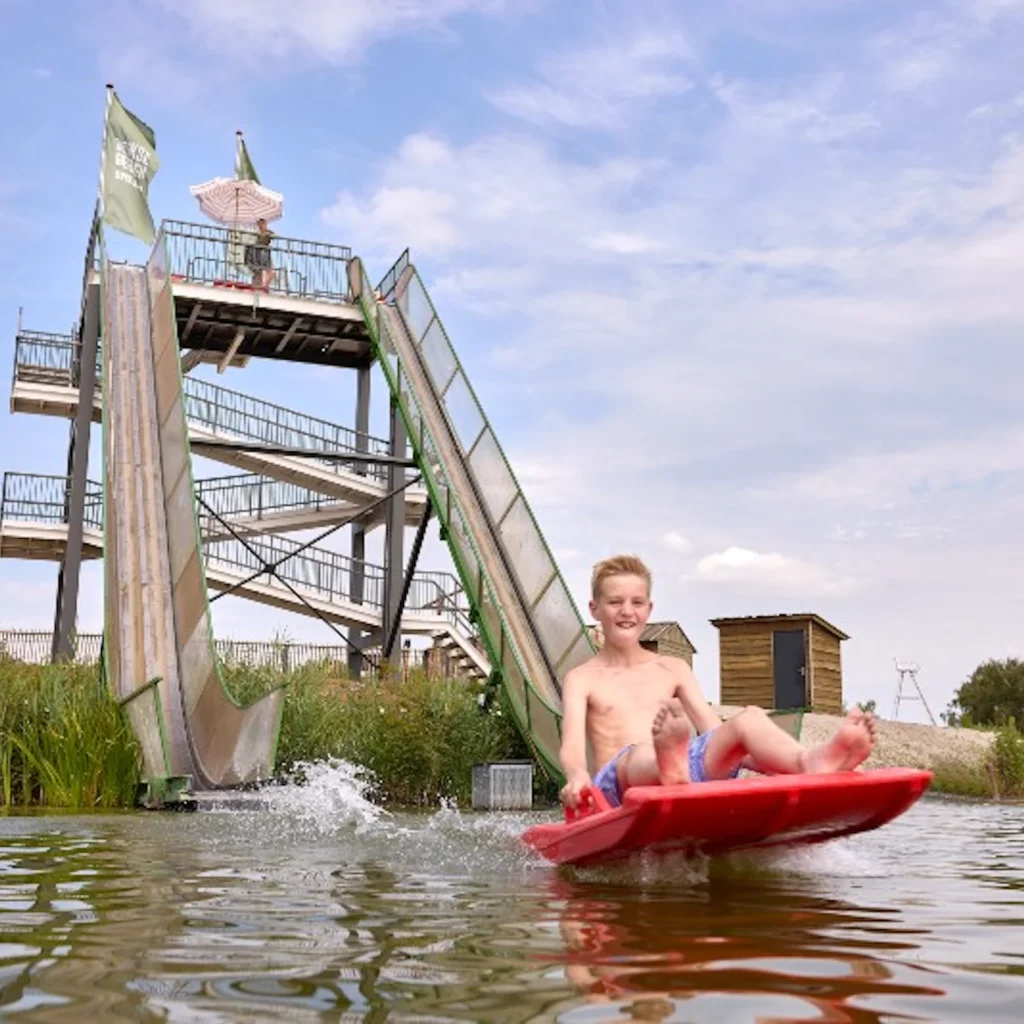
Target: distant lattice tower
{"points": [[908, 674]]}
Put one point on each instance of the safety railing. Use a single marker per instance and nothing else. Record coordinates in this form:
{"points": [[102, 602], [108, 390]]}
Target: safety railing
{"points": [[44, 358], [41, 358], [332, 576], [232, 413], [210, 254], [251, 496], [35, 646], [35, 497], [389, 281]]}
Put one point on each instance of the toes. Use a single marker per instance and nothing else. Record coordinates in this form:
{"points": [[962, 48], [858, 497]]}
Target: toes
{"points": [[659, 718]]}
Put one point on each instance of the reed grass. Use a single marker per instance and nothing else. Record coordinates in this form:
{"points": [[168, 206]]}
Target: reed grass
{"points": [[418, 735], [63, 739]]}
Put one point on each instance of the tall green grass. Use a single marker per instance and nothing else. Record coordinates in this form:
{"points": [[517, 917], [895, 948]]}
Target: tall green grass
{"points": [[64, 741], [418, 735]]}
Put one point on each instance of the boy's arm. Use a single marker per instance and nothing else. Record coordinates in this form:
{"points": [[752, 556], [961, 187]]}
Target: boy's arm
{"points": [[573, 750], [694, 703]]}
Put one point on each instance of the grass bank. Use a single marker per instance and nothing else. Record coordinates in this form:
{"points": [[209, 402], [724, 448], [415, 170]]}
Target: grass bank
{"points": [[64, 741]]}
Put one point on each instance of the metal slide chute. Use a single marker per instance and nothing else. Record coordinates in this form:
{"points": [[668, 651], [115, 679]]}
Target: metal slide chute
{"points": [[159, 653], [528, 620]]}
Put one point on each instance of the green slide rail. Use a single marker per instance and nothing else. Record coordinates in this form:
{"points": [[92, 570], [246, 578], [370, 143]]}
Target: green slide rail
{"points": [[527, 618]]}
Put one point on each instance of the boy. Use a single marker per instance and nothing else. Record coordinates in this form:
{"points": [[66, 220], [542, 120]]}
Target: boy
{"points": [[639, 710]]}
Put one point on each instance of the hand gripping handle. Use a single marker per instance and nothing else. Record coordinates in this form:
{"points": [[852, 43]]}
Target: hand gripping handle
{"points": [[592, 801]]}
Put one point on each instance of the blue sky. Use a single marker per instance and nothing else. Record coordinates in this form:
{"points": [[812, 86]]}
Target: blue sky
{"points": [[739, 283]]}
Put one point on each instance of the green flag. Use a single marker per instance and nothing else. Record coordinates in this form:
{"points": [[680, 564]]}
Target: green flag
{"points": [[129, 167], [244, 169]]}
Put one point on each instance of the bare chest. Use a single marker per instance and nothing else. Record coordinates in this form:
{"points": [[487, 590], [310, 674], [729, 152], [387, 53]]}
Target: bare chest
{"points": [[630, 700]]}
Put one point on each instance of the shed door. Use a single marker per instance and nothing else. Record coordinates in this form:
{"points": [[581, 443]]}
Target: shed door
{"points": [[790, 668]]}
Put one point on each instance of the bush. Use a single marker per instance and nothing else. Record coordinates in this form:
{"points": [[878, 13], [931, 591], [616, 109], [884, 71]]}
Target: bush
{"points": [[1008, 760], [993, 695]]}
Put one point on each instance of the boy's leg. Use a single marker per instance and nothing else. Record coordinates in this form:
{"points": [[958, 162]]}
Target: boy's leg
{"points": [[663, 761], [751, 738]]}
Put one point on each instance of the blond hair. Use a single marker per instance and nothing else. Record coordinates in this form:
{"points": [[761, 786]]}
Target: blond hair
{"points": [[618, 565]]}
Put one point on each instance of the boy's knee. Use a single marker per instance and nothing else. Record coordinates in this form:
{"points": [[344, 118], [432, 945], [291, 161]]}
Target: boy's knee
{"points": [[751, 715]]}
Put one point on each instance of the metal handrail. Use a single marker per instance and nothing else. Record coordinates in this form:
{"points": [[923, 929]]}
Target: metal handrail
{"points": [[37, 497], [250, 495], [219, 409], [390, 279], [329, 574], [212, 254]]}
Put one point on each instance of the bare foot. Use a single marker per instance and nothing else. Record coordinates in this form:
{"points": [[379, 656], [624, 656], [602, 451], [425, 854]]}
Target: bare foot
{"points": [[671, 734], [847, 749]]}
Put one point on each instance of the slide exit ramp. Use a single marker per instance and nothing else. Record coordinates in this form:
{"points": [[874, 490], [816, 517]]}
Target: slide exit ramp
{"points": [[158, 640], [528, 620]]}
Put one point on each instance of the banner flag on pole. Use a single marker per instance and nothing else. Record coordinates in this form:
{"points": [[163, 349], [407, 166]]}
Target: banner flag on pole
{"points": [[129, 165], [244, 169]]}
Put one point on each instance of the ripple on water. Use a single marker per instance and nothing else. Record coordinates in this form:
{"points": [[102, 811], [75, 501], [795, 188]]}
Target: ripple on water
{"points": [[326, 906]]}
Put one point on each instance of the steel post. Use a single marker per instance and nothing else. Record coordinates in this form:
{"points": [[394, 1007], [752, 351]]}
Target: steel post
{"points": [[356, 637], [66, 613], [410, 571], [394, 530]]}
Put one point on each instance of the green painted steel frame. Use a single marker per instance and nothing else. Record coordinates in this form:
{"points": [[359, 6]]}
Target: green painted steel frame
{"points": [[447, 505]]}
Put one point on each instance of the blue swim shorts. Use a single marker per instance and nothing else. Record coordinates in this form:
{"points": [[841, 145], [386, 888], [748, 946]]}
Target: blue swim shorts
{"points": [[695, 755], [607, 777]]}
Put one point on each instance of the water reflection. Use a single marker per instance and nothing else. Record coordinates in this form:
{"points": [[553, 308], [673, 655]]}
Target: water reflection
{"points": [[731, 948]]}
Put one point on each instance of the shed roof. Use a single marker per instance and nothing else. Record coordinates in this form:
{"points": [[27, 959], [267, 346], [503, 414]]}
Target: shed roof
{"points": [[653, 631], [792, 619]]}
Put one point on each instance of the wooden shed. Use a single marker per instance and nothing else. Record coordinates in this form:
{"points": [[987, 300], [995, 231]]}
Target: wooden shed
{"points": [[781, 662], [660, 637]]}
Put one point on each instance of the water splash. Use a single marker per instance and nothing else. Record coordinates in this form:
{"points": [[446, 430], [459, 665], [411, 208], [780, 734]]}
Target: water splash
{"points": [[323, 796]]}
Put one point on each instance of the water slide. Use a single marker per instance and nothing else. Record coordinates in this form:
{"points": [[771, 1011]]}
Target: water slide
{"points": [[159, 653], [527, 618]]}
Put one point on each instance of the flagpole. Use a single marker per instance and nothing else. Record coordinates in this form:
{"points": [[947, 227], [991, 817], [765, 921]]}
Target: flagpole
{"points": [[238, 154], [103, 150]]}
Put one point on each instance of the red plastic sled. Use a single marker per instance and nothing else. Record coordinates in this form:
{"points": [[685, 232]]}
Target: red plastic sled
{"points": [[714, 817]]}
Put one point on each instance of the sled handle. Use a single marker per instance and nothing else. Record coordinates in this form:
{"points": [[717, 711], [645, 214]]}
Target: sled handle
{"points": [[592, 801]]}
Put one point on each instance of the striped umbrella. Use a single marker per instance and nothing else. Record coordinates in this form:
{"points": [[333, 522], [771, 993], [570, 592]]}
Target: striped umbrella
{"points": [[238, 202]]}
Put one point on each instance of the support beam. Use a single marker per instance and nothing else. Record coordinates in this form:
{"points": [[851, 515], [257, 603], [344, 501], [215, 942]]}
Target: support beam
{"points": [[192, 317], [235, 345], [410, 570], [190, 360], [66, 613], [356, 637], [288, 335], [357, 458], [394, 528]]}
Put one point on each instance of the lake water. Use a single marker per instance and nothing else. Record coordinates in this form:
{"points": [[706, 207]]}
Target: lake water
{"points": [[324, 908]]}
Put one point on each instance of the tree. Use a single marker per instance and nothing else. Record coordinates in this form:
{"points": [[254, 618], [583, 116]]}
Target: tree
{"points": [[993, 695], [868, 706]]}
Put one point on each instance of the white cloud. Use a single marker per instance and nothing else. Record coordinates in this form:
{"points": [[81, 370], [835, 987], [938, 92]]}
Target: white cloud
{"points": [[600, 86], [742, 567], [326, 29], [677, 542], [423, 217], [42, 73]]}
